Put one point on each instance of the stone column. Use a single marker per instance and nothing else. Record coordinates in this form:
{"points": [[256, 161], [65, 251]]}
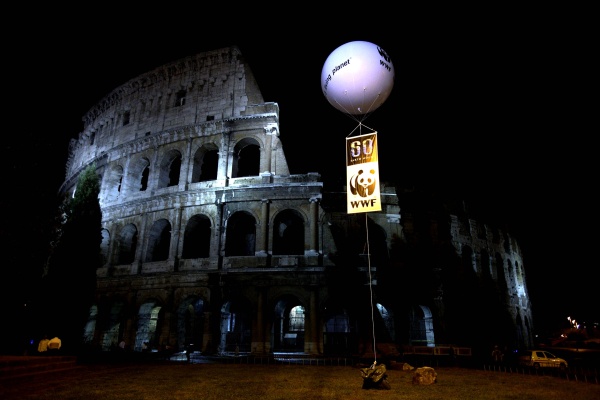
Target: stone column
{"points": [[176, 242], [207, 340], [225, 158], [263, 250], [311, 340], [258, 336], [314, 224], [187, 164], [270, 130], [142, 244]]}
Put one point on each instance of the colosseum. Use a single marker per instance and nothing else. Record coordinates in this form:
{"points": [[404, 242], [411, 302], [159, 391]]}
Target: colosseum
{"points": [[209, 239]]}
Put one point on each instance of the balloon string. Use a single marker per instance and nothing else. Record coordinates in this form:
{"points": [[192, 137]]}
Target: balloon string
{"points": [[359, 126], [371, 290], [353, 116], [372, 103]]}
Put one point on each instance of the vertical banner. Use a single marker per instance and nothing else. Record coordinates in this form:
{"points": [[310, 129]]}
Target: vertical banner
{"points": [[362, 174]]}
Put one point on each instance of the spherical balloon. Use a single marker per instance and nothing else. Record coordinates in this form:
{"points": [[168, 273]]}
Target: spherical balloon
{"points": [[357, 77]]}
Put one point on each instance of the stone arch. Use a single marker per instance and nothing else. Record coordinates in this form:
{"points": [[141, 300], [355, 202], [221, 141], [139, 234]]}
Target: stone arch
{"points": [[169, 169], [340, 333], [127, 244], [235, 326], [421, 326], [137, 175], [148, 323], [388, 322], [159, 241], [113, 184], [240, 234], [113, 324], [359, 239], [190, 323], [246, 158], [288, 233], [196, 237], [373, 241], [206, 163], [288, 324], [90, 326]]}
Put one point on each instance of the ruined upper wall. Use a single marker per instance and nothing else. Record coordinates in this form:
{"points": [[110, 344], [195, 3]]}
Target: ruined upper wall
{"points": [[218, 83]]}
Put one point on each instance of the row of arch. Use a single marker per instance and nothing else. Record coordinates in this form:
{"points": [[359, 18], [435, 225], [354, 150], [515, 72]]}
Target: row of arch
{"points": [[483, 264], [289, 323], [288, 238], [137, 176]]}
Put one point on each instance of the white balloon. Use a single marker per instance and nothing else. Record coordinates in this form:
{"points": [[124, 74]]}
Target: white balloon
{"points": [[357, 77]]}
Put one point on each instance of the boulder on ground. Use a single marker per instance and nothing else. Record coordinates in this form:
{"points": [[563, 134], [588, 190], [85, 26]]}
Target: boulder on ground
{"points": [[375, 377], [424, 376]]}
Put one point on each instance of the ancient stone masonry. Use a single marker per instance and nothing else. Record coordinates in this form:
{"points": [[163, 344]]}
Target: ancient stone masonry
{"points": [[209, 240]]}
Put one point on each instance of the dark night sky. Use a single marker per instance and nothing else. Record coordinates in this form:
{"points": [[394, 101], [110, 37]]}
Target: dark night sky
{"points": [[492, 109]]}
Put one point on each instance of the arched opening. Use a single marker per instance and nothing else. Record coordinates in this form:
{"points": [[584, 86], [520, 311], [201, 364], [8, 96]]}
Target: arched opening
{"points": [[147, 335], [190, 321], [127, 244], [246, 158], [240, 235], [170, 169], [236, 327], [196, 238], [206, 164], [421, 327], [288, 326], [159, 241], [113, 184], [288, 233], [339, 334]]}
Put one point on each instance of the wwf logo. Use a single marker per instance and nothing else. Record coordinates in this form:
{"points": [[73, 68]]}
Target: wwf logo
{"points": [[363, 183]]}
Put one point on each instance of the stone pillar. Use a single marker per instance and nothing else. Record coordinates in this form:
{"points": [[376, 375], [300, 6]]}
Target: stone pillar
{"points": [[311, 340], [263, 249], [142, 243], [176, 242], [154, 176], [314, 224], [207, 340], [258, 335], [270, 130], [187, 164], [225, 158]]}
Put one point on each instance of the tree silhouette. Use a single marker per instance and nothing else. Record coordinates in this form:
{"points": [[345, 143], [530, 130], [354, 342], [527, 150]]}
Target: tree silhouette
{"points": [[70, 281]]}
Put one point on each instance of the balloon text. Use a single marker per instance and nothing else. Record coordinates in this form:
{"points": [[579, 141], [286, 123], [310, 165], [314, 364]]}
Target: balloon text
{"points": [[333, 71]]}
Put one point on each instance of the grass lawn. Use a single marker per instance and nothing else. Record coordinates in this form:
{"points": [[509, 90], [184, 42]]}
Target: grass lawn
{"points": [[163, 381]]}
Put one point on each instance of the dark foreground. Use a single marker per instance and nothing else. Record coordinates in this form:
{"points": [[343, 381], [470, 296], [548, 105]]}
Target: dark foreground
{"points": [[205, 381]]}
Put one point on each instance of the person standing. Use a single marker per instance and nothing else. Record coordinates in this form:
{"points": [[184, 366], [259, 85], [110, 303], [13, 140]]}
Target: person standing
{"points": [[43, 345], [54, 344], [497, 355]]}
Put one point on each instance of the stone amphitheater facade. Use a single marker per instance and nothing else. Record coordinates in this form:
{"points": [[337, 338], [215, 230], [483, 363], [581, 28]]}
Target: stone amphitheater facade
{"points": [[208, 239]]}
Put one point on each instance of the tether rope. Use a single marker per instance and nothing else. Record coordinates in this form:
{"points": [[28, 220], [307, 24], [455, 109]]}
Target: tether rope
{"points": [[371, 291], [359, 127]]}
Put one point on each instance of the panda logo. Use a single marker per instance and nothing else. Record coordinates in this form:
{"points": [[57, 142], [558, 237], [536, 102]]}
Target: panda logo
{"points": [[363, 183]]}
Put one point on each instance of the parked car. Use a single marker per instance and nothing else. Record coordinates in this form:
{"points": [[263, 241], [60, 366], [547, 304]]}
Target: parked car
{"points": [[541, 359]]}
